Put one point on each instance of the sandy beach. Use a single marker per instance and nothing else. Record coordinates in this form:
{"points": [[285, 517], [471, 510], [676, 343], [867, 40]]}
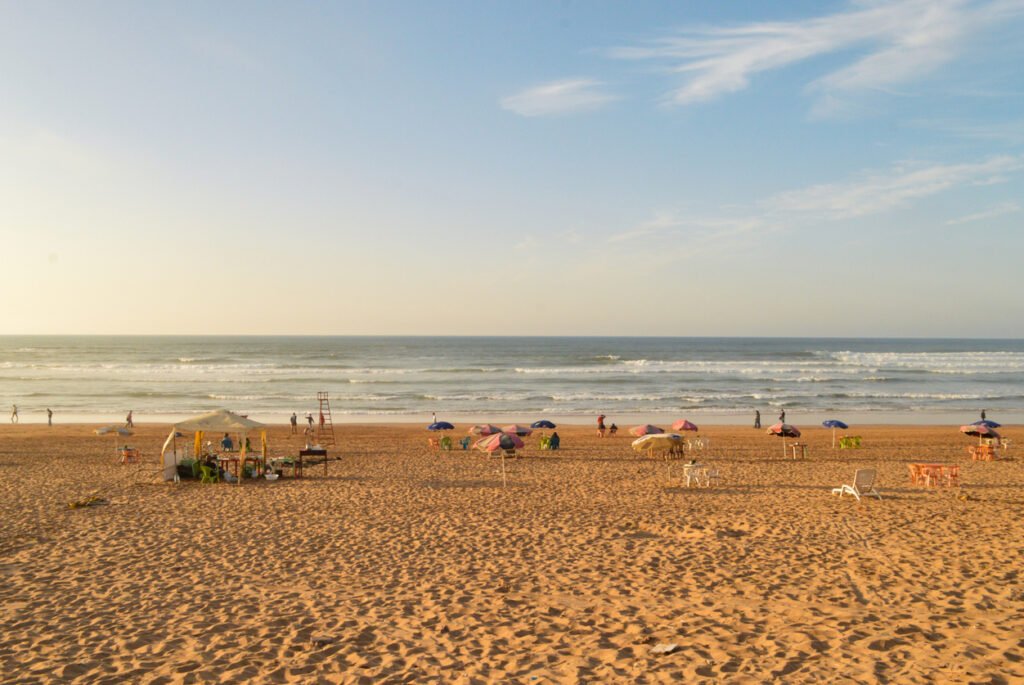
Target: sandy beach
{"points": [[406, 565]]}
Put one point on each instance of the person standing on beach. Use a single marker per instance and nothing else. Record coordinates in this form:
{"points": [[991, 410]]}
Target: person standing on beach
{"points": [[600, 426], [982, 414], [757, 418], [128, 423], [782, 416], [309, 419], [14, 413], [295, 423], [49, 416], [433, 417]]}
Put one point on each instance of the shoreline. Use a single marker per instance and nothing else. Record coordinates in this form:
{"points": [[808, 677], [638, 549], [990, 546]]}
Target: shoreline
{"points": [[718, 419]]}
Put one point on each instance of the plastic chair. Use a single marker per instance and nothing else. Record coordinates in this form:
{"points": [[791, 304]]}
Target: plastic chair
{"points": [[863, 485], [465, 442], [208, 474], [434, 443], [446, 443], [545, 443]]}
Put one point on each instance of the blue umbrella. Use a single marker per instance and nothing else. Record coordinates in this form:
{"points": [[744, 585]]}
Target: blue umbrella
{"points": [[986, 423], [833, 424], [543, 423], [440, 426]]}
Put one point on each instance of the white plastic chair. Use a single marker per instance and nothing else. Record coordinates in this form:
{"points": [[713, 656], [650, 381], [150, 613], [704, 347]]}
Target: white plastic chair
{"points": [[863, 485]]}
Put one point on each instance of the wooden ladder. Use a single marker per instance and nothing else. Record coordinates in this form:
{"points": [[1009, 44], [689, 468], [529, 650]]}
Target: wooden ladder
{"points": [[325, 430]]}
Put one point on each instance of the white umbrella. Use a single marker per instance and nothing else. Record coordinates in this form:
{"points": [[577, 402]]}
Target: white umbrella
{"points": [[117, 431]]}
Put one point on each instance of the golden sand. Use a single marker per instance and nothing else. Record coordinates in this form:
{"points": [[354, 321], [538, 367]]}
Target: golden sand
{"points": [[402, 565]]}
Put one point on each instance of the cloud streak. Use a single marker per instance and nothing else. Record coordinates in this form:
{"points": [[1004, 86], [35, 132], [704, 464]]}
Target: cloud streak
{"points": [[999, 210], [871, 193], [880, 192], [559, 97], [903, 40]]}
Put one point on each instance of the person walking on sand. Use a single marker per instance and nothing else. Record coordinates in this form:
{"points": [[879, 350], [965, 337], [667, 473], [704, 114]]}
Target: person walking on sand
{"points": [[128, 423], [309, 420], [14, 413], [782, 416], [49, 416], [600, 426], [757, 418], [295, 423]]}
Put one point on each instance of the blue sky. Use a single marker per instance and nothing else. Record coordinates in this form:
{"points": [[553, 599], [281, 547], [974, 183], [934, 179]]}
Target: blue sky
{"points": [[742, 168]]}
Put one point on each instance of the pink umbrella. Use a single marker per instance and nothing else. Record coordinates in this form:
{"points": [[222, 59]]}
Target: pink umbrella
{"points": [[784, 430], [980, 430], [485, 429], [647, 429], [517, 429], [683, 425], [500, 441]]}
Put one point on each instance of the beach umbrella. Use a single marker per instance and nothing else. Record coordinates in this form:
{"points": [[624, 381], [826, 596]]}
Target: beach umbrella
{"points": [[484, 429], [987, 424], [833, 424], [116, 431], [440, 426], [517, 429], [543, 423], [646, 429], [784, 430], [684, 425], [499, 443], [657, 441], [979, 432]]}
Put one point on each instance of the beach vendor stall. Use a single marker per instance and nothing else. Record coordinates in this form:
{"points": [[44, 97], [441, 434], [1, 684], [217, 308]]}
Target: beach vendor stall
{"points": [[217, 422]]}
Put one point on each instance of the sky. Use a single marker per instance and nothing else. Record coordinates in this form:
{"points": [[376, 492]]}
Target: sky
{"points": [[507, 168]]}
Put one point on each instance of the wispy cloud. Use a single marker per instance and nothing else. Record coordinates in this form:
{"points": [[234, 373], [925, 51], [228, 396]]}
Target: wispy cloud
{"points": [[897, 187], [871, 193], [999, 210], [559, 97], [1006, 132], [903, 41]]}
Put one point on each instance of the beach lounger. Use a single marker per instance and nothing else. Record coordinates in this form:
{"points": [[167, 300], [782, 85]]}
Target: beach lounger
{"points": [[863, 484]]}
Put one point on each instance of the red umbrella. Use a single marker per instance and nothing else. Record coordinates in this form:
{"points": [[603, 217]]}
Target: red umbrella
{"points": [[647, 429], [784, 430], [684, 425], [500, 441], [484, 429], [517, 429], [979, 431]]}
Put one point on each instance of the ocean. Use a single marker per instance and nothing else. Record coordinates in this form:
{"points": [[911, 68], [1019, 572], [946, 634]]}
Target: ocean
{"points": [[718, 380]]}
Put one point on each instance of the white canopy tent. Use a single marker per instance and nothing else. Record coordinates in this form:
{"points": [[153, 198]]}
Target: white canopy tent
{"points": [[219, 421]]}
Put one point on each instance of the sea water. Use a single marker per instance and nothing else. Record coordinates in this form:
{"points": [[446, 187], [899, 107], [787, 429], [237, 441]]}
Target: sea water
{"points": [[520, 378]]}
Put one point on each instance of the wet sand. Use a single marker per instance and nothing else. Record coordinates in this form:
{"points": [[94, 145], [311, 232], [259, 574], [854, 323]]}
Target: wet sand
{"points": [[405, 565]]}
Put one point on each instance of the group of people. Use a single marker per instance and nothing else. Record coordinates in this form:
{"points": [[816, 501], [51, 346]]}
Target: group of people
{"points": [[308, 430], [611, 430], [15, 418], [757, 417]]}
